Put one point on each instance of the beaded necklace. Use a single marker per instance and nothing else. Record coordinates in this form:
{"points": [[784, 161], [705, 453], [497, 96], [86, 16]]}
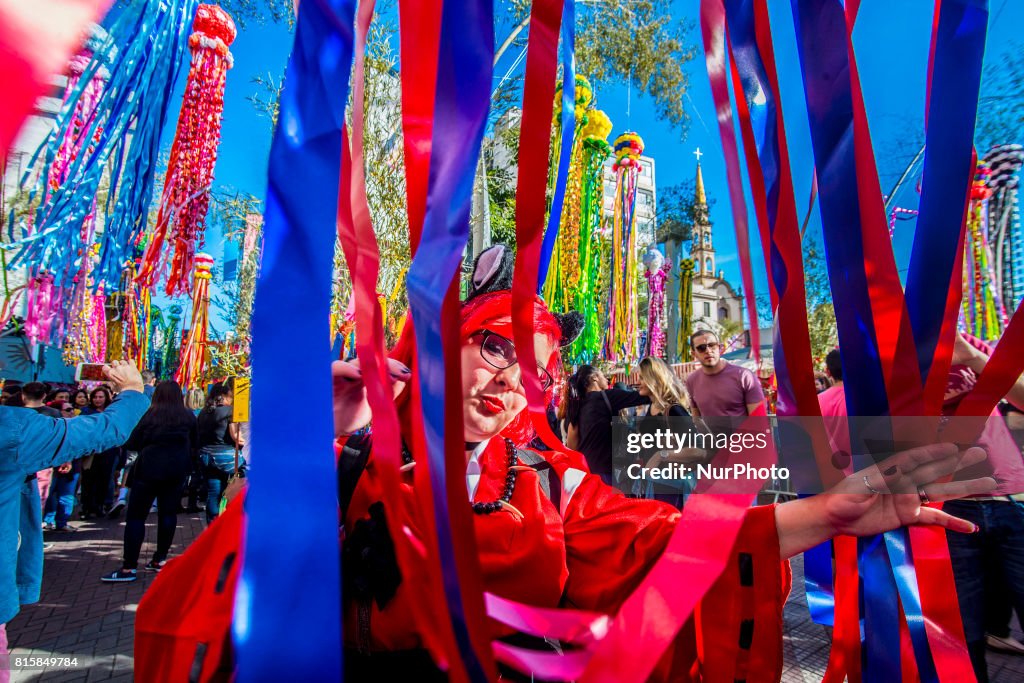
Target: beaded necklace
{"points": [[510, 479]]}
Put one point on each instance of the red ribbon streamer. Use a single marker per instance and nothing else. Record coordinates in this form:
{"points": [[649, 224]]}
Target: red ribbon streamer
{"points": [[713, 31]]}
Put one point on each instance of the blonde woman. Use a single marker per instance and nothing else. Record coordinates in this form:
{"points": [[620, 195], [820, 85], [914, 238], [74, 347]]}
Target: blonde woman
{"points": [[666, 391], [195, 400]]}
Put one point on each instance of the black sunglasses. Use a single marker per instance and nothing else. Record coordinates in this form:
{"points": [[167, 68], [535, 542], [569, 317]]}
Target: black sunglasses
{"points": [[500, 353], [702, 348]]}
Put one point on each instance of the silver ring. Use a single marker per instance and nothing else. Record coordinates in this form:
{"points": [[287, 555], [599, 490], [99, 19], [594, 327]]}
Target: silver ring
{"points": [[870, 487], [922, 495]]}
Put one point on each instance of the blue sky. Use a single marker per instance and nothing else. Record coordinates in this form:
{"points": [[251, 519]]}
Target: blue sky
{"points": [[891, 41]]}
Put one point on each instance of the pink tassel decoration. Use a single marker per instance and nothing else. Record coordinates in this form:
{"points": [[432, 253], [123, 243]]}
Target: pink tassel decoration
{"points": [[656, 273]]}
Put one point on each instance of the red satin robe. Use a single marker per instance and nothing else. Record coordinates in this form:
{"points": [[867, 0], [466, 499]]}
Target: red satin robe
{"points": [[591, 555]]}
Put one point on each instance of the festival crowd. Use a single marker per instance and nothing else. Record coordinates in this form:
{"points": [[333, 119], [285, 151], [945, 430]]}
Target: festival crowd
{"points": [[134, 445]]}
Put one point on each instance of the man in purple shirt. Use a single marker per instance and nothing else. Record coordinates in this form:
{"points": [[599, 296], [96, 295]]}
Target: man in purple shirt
{"points": [[720, 388]]}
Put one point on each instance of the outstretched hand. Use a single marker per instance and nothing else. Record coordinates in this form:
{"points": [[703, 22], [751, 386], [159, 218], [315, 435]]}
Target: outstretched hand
{"points": [[351, 408], [892, 494]]}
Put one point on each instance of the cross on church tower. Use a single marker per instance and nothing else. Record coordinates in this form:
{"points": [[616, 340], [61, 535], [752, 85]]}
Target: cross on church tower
{"points": [[701, 250]]}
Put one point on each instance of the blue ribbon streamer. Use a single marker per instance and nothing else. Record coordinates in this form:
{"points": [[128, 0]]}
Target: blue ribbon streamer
{"points": [[952, 108], [282, 630], [143, 52], [822, 42], [460, 114], [568, 133], [761, 104]]}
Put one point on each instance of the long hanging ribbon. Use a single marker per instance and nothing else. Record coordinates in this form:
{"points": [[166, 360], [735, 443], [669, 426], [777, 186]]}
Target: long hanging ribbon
{"points": [[299, 229], [534, 143], [713, 32], [568, 124], [760, 113], [957, 52], [833, 106], [821, 38], [36, 39], [460, 114], [758, 101]]}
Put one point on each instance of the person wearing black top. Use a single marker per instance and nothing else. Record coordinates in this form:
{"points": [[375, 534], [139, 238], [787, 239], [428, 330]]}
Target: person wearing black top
{"points": [[98, 478], [165, 439], [590, 410], [218, 436]]}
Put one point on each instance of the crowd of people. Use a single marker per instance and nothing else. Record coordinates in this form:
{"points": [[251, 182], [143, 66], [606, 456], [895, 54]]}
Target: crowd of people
{"points": [[183, 450], [135, 445]]}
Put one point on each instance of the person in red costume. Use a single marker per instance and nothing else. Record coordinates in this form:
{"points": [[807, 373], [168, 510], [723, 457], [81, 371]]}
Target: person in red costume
{"points": [[551, 534]]}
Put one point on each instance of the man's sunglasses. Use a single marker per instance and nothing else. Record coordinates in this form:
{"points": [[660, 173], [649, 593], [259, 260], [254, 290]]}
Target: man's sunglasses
{"points": [[500, 353], [702, 348]]}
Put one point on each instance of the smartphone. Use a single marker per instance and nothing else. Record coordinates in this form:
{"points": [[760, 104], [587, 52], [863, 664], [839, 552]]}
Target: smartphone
{"points": [[90, 372]]}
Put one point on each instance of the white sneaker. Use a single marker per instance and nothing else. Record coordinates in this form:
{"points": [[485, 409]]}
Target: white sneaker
{"points": [[1009, 644]]}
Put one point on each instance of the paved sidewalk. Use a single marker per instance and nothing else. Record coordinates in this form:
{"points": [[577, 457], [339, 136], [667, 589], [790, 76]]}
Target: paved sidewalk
{"points": [[80, 617]]}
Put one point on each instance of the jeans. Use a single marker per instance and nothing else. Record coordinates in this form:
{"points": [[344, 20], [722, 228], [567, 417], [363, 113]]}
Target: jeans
{"points": [[216, 482], [61, 501], [167, 493], [980, 560]]}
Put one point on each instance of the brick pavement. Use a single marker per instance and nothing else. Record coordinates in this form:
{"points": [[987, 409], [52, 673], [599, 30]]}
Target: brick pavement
{"points": [[78, 616]]}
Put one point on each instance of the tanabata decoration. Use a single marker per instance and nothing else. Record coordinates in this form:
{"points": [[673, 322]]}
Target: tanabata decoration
{"points": [[686, 269], [194, 352], [181, 218], [563, 277], [591, 216], [1004, 222], [983, 312], [119, 141], [656, 271], [623, 324], [43, 314], [51, 312], [172, 337]]}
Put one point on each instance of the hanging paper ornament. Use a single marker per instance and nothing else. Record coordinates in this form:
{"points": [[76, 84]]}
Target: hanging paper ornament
{"points": [[48, 281], [656, 272], [120, 141], [115, 327], [172, 337], [193, 353], [43, 313], [181, 218], [623, 324], [686, 270], [584, 98], [587, 298], [559, 253], [1005, 235], [983, 313]]}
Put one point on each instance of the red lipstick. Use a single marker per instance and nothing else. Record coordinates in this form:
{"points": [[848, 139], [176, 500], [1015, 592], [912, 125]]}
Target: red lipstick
{"points": [[492, 404]]}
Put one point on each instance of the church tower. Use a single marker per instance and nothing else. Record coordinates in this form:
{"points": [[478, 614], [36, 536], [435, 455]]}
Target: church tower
{"points": [[702, 249]]}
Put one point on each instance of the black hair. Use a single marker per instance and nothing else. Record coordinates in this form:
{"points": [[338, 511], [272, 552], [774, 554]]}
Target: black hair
{"points": [[217, 392], [33, 391], [74, 395], [167, 407], [834, 364], [578, 384], [701, 332]]}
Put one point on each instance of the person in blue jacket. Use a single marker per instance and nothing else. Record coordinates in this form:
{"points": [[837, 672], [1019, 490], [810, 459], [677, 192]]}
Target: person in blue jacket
{"points": [[30, 442]]}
